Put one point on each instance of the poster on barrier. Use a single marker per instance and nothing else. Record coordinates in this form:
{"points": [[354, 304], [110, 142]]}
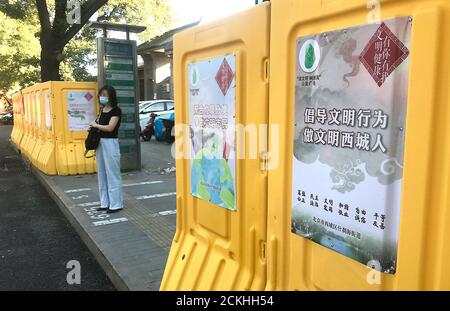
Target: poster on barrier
{"points": [[350, 115], [80, 109], [212, 118]]}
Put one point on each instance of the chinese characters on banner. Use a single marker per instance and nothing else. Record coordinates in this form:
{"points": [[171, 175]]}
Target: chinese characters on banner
{"points": [[350, 115], [212, 118], [360, 119], [80, 109]]}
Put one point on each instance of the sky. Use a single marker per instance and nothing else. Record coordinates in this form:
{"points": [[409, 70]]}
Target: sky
{"points": [[188, 11]]}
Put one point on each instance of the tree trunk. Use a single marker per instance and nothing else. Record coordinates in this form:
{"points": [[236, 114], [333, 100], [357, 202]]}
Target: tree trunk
{"points": [[51, 57], [55, 38]]}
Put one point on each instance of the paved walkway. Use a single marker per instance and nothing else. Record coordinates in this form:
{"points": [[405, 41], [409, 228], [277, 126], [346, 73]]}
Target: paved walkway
{"points": [[132, 246]]}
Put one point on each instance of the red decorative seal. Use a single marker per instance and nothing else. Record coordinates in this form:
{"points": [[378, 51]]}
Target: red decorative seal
{"points": [[224, 77], [383, 54], [88, 96]]}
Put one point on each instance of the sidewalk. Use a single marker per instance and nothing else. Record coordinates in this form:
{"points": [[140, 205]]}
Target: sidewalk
{"points": [[132, 246]]}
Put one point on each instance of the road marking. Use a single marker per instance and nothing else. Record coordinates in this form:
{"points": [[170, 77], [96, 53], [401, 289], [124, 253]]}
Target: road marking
{"points": [[143, 183], [110, 221], [125, 185], [154, 196], [166, 213], [11, 157], [144, 197], [78, 190], [88, 204], [80, 197]]}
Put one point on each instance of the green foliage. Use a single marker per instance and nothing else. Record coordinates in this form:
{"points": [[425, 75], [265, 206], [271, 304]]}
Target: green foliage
{"points": [[154, 14], [19, 52], [17, 9], [20, 46], [79, 54]]}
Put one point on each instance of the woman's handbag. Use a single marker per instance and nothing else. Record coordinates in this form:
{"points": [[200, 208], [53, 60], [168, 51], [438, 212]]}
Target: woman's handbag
{"points": [[92, 141]]}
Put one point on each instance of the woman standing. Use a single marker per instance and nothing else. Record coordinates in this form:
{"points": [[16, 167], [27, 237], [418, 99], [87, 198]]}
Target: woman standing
{"points": [[108, 152]]}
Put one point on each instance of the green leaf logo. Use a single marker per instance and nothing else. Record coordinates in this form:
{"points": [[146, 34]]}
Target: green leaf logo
{"points": [[310, 56], [194, 77]]}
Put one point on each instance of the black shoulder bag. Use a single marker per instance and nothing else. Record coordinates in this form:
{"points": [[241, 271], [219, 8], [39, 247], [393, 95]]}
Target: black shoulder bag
{"points": [[93, 139]]}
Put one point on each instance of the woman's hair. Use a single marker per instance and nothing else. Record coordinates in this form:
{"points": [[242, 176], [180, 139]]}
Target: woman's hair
{"points": [[112, 95]]}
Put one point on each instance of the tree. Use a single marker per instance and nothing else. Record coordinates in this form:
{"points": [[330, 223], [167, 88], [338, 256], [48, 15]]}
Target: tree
{"points": [[54, 37], [65, 50], [154, 14], [19, 53]]}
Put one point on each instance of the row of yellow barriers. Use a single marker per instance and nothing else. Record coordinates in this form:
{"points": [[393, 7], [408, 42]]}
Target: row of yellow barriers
{"points": [[252, 245], [50, 126]]}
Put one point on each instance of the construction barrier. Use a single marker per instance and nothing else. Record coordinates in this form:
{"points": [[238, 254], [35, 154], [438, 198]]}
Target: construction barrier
{"points": [[28, 142], [18, 130], [221, 213], [363, 174], [356, 198], [53, 125]]}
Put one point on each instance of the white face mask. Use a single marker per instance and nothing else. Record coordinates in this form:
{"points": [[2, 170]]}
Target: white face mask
{"points": [[104, 100]]}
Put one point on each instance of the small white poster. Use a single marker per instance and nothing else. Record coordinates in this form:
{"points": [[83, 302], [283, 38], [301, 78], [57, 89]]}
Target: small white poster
{"points": [[212, 118], [80, 109]]}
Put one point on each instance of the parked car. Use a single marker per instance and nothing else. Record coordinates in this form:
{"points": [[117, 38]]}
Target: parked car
{"points": [[143, 104], [146, 108]]}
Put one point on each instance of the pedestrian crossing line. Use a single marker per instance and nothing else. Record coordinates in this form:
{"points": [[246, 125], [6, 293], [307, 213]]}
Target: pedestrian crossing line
{"points": [[154, 196]]}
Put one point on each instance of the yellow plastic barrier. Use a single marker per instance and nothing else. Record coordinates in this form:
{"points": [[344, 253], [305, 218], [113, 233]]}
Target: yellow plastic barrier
{"points": [[18, 129], [220, 242], [28, 135], [297, 262], [33, 131], [38, 131], [46, 160], [70, 135], [56, 117]]}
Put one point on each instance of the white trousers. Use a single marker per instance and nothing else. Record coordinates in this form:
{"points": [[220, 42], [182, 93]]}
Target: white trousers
{"points": [[108, 170]]}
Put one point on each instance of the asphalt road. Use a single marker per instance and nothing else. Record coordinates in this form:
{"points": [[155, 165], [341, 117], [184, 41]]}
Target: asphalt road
{"points": [[36, 240]]}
